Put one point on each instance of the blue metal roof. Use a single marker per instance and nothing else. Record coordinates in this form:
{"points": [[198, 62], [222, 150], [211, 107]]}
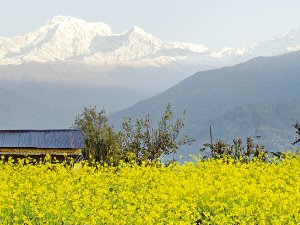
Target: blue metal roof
{"points": [[67, 138]]}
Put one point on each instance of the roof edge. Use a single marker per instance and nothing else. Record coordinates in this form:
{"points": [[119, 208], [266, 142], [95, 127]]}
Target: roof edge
{"points": [[33, 130]]}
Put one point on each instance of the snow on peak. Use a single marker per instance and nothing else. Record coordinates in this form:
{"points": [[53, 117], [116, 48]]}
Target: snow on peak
{"points": [[74, 23], [195, 48], [65, 38], [138, 34], [137, 30], [62, 19], [227, 51]]}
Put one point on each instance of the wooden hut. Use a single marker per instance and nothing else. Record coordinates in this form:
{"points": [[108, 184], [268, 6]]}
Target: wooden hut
{"points": [[38, 143]]}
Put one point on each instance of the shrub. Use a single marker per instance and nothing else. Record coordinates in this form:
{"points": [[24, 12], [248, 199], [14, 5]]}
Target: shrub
{"points": [[102, 143], [236, 150], [143, 142]]}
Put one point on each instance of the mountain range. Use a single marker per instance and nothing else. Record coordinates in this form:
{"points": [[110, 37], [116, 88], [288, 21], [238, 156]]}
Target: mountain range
{"points": [[69, 39], [47, 76], [255, 98]]}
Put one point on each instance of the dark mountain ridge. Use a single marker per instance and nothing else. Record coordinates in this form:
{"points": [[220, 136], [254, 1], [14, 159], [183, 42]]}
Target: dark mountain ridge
{"points": [[264, 87]]}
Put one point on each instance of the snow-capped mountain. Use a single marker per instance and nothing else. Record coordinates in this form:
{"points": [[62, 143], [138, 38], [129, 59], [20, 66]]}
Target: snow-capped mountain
{"points": [[60, 39], [69, 39], [281, 44], [69, 63]]}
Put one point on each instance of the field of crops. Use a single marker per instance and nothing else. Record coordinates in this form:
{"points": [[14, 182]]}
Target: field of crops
{"points": [[203, 192]]}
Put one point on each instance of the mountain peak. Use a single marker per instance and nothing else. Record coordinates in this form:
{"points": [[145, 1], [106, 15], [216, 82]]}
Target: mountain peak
{"points": [[62, 19], [74, 23], [136, 29], [65, 38], [138, 36]]}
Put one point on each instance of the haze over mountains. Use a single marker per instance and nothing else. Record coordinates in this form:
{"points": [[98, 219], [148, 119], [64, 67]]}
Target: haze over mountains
{"points": [[72, 50], [47, 76], [258, 97]]}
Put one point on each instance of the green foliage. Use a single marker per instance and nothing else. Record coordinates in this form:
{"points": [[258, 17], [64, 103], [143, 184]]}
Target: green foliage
{"points": [[236, 150], [139, 142], [102, 143], [143, 142]]}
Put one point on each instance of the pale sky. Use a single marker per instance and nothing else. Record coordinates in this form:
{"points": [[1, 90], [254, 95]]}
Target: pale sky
{"points": [[216, 24]]}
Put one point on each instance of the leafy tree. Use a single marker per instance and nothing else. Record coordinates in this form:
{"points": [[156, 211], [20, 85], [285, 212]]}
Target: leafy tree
{"points": [[142, 142], [102, 143], [236, 150]]}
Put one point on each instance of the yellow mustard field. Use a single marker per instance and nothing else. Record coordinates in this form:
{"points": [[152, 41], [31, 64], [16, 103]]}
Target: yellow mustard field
{"points": [[203, 192]]}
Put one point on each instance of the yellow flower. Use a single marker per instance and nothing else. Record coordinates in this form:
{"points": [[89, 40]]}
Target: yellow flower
{"points": [[205, 192]]}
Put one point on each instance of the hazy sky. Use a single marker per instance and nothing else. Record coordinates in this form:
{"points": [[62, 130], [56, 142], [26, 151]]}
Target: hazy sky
{"points": [[216, 24]]}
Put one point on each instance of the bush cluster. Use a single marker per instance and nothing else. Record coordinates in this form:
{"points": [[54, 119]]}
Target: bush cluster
{"points": [[138, 141]]}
